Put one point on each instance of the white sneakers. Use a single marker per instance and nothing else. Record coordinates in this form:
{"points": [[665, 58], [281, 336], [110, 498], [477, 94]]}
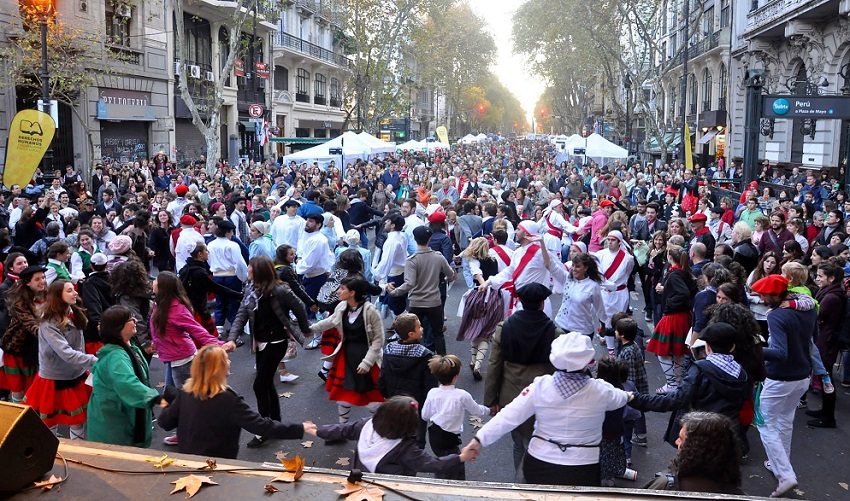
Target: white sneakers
{"points": [[288, 378]]}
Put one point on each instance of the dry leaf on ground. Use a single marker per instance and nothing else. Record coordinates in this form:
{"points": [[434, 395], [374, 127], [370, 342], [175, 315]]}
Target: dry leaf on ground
{"points": [[192, 484], [270, 488], [160, 462], [843, 485], [476, 421], [360, 492], [280, 454], [49, 483], [287, 394], [294, 467], [343, 461], [211, 464], [307, 444]]}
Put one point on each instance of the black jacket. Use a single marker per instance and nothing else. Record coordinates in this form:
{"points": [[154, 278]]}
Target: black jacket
{"points": [[223, 417], [641, 230], [362, 212], [96, 293], [705, 388], [679, 292], [404, 371], [746, 254], [196, 279]]}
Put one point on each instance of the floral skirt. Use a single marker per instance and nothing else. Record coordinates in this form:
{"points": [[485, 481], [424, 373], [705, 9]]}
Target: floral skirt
{"points": [[16, 375], [612, 458], [668, 338], [59, 406]]}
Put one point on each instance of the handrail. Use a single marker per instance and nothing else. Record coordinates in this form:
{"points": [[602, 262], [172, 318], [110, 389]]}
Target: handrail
{"points": [[305, 47]]}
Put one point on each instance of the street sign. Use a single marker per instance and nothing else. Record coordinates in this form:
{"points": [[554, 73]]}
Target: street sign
{"points": [[835, 107], [578, 151], [255, 110], [255, 120]]}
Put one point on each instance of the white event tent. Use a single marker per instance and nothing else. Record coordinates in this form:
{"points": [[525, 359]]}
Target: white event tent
{"points": [[354, 146], [375, 144], [597, 148]]}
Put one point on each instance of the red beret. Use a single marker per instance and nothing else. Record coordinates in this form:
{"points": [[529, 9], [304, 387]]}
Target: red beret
{"points": [[437, 217], [772, 285], [699, 216], [670, 191], [181, 190], [606, 203], [188, 220]]}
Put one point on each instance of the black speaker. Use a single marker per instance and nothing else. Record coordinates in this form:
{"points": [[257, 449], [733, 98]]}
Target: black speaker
{"points": [[27, 447]]}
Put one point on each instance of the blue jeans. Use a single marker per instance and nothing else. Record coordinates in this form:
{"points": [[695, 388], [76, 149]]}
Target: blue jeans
{"points": [[312, 286], [226, 308], [178, 374], [467, 273]]}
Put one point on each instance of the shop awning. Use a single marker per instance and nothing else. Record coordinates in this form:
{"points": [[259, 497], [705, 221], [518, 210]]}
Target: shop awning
{"points": [[707, 137], [300, 140]]}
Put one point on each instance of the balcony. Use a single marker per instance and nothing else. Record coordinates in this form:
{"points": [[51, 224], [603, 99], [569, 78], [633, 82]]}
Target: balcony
{"points": [[288, 41], [769, 12], [721, 103], [127, 55], [706, 105], [706, 44], [336, 102], [321, 100], [302, 98]]}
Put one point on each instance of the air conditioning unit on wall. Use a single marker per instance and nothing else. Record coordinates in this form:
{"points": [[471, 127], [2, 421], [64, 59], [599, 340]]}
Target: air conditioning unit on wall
{"points": [[177, 68], [194, 71], [210, 76], [124, 10]]}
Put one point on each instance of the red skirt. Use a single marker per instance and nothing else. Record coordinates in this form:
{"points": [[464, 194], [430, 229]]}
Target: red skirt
{"points": [[330, 339], [15, 375], [336, 378], [668, 339], [207, 323], [54, 406]]}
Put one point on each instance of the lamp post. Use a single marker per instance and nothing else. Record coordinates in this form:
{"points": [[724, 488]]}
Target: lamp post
{"points": [[43, 8]]}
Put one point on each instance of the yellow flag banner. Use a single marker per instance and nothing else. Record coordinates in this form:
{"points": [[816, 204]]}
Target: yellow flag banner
{"points": [[443, 134], [29, 137], [689, 156]]}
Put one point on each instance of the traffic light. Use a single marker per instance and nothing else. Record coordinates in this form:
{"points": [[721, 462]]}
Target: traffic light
{"points": [[542, 111], [481, 108], [400, 134]]}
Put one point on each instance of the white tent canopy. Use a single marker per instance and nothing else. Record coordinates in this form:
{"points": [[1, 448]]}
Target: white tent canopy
{"points": [[597, 148], [353, 151], [411, 145], [469, 139], [435, 145], [481, 136], [375, 144]]}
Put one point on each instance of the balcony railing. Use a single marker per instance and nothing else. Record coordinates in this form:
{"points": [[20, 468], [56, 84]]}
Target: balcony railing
{"points": [[311, 49], [721, 103], [692, 108], [302, 98], [320, 100], [765, 12], [336, 103], [706, 105], [127, 55]]}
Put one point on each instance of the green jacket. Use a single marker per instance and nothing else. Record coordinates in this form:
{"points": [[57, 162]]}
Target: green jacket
{"points": [[116, 393]]}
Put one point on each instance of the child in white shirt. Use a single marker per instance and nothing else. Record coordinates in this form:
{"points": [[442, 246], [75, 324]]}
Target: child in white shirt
{"points": [[444, 410]]}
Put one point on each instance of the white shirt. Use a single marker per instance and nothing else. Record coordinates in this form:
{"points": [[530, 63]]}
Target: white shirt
{"points": [[445, 406], [534, 271], [581, 306], [411, 222], [287, 230], [314, 255], [175, 207], [621, 276], [225, 256], [393, 256], [576, 420], [77, 272], [186, 242], [721, 231], [498, 258]]}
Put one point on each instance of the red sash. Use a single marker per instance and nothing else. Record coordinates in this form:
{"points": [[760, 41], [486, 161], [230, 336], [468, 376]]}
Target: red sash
{"points": [[618, 260], [502, 254], [511, 286], [553, 230]]}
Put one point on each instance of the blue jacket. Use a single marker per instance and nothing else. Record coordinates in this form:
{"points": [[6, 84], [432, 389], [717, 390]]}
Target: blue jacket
{"points": [[787, 356], [308, 208]]}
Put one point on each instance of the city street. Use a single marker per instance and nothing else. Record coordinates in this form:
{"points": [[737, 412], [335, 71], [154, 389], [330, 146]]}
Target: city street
{"points": [[820, 456]]}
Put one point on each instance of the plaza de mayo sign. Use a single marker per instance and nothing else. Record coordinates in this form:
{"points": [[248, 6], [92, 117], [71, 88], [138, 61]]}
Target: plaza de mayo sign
{"points": [[117, 104]]}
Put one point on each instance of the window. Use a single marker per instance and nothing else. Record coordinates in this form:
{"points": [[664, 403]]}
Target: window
{"points": [[223, 51], [302, 84], [320, 90], [118, 26], [721, 104], [725, 14], [281, 78], [692, 94], [672, 45], [706, 90], [198, 42], [664, 18], [336, 100], [708, 21]]}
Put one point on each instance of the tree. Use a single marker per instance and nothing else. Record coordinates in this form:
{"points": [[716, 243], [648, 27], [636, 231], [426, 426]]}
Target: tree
{"points": [[76, 59], [204, 99]]}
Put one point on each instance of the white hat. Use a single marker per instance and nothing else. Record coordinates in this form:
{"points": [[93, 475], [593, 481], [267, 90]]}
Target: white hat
{"points": [[99, 259], [261, 226], [352, 237], [615, 234], [571, 352], [529, 227]]}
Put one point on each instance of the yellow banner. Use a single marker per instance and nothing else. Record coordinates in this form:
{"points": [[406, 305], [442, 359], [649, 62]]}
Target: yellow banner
{"points": [[29, 137], [689, 157], [443, 134]]}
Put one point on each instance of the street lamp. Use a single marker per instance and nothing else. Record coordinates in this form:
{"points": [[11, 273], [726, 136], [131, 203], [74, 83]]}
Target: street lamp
{"points": [[44, 8]]}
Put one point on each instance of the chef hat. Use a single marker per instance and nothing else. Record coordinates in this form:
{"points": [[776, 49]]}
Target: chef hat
{"points": [[571, 352]]}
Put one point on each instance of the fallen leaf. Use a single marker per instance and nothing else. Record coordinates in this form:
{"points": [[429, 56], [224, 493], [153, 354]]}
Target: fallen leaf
{"points": [[49, 483], [343, 461], [160, 462], [270, 488], [360, 492], [843, 485], [192, 484], [294, 469], [280, 454], [799, 492], [307, 444], [287, 394], [160, 385], [476, 421], [211, 464]]}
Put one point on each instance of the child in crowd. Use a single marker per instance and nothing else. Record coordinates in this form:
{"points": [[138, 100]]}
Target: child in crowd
{"points": [[386, 442], [404, 369], [612, 454], [444, 410], [632, 357]]}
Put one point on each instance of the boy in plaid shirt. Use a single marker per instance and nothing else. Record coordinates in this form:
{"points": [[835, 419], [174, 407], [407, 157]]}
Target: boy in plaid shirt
{"points": [[626, 330]]}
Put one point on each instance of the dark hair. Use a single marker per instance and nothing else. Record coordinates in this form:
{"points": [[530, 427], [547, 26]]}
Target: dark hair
{"points": [[626, 328], [351, 261], [747, 329], [199, 247], [500, 236], [710, 449], [836, 249], [654, 206], [264, 276], [590, 263], [317, 218], [130, 278], [357, 285], [608, 369], [823, 251], [781, 215], [445, 368], [57, 248], [281, 252], [9, 262], [404, 324], [397, 417], [681, 258], [730, 290], [397, 220], [56, 309], [833, 271], [490, 209], [169, 287]]}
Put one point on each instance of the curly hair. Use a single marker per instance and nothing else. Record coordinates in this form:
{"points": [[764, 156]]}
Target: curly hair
{"points": [[130, 278], [747, 328], [710, 449]]}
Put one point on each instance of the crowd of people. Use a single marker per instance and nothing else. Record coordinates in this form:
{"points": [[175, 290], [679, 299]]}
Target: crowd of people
{"points": [[745, 296]]}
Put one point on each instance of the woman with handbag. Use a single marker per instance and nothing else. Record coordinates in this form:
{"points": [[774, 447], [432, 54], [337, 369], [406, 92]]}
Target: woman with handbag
{"points": [[265, 308]]}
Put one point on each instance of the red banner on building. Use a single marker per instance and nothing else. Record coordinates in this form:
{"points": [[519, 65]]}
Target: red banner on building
{"points": [[238, 67], [262, 70]]}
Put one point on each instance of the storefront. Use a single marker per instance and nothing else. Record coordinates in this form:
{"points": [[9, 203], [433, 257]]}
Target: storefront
{"points": [[125, 117]]}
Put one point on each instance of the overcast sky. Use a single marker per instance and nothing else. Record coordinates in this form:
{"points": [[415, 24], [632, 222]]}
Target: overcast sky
{"points": [[511, 69]]}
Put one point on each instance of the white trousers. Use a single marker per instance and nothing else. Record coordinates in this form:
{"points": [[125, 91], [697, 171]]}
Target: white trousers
{"points": [[778, 404]]}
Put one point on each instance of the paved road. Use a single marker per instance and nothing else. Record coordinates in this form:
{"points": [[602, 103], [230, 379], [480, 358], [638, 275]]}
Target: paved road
{"points": [[821, 457]]}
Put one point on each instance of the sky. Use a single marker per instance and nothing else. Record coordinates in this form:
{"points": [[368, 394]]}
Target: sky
{"points": [[510, 68]]}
